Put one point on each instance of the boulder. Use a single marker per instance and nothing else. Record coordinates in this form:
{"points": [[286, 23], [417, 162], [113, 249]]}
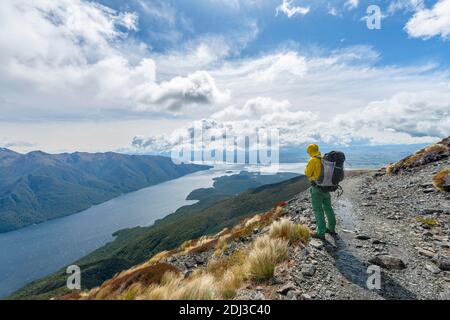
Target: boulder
{"points": [[388, 262]]}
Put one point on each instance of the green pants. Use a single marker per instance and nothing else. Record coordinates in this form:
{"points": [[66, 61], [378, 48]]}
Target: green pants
{"points": [[321, 202]]}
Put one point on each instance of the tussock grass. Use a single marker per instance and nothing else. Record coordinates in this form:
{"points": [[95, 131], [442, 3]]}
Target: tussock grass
{"points": [[120, 286], [265, 255], [441, 180], [290, 231], [202, 287], [221, 246]]}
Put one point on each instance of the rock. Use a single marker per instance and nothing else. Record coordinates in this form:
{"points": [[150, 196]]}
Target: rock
{"points": [[286, 288], [426, 185], [444, 263], [306, 296], [260, 296], [432, 268], [315, 243], [362, 237], [388, 262], [293, 295], [199, 259], [189, 264], [425, 252], [427, 212], [429, 190], [308, 270], [367, 204]]}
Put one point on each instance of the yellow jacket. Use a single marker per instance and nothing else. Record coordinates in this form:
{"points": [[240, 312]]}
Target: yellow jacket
{"points": [[314, 166]]}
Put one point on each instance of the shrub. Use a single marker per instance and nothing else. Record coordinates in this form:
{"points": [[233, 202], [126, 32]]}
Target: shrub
{"points": [[264, 256], [290, 231], [442, 180]]}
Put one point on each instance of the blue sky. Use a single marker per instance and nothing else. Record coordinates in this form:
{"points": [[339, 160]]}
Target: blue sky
{"points": [[318, 28], [120, 75]]}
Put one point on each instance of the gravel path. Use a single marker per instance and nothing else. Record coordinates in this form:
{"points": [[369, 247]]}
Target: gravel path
{"points": [[377, 225]]}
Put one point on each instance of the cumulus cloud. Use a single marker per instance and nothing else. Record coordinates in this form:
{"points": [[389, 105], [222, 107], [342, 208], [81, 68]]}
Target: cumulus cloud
{"points": [[196, 89], [290, 10], [428, 23], [75, 58], [407, 117], [415, 113]]}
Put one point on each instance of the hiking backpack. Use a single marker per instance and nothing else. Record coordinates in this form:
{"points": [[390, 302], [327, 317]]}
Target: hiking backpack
{"points": [[332, 171]]}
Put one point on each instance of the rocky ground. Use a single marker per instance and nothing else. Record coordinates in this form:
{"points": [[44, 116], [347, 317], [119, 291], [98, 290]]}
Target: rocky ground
{"points": [[398, 222]]}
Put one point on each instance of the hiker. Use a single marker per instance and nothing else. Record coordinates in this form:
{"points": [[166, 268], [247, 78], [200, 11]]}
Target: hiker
{"points": [[321, 200]]}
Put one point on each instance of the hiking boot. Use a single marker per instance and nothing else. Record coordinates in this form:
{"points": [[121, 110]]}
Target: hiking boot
{"points": [[316, 236], [332, 233]]}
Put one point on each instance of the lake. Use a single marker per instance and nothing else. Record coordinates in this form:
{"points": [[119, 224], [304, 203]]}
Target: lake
{"points": [[36, 251]]}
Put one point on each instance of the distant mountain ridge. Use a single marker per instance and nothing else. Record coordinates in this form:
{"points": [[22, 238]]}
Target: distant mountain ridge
{"points": [[36, 187]]}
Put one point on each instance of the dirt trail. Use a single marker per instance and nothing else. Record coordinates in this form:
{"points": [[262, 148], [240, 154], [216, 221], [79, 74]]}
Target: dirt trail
{"points": [[360, 236]]}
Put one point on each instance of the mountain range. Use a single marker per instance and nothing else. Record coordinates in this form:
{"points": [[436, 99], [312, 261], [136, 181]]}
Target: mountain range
{"points": [[37, 187]]}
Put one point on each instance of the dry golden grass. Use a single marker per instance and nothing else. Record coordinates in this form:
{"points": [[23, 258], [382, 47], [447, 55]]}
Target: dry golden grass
{"points": [[145, 276], [442, 180], [264, 256], [231, 282], [290, 231], [202, 287], [132, 292], [221, 246], [160, 256]]}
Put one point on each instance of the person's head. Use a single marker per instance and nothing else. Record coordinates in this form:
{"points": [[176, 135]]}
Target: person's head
{"points": [[313, 150]]}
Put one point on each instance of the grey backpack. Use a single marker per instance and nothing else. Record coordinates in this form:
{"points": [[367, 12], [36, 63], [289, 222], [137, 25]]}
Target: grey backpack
{"points": [[332, 171]]}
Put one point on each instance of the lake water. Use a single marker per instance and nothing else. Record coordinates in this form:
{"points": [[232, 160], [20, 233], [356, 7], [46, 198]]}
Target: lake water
{"points": [[34, 252]]}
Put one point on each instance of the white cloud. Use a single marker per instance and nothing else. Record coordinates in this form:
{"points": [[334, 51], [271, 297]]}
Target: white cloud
{"points": [[290, 10], [405, 5], [197, 89], [407, 117], [71, 58], [332, 10], [351, 4], [427, 23]]}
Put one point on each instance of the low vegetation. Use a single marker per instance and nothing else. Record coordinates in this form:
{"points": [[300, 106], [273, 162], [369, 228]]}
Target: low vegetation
{"points": [[431, 222], [289, 231], [266, 253], [441, 180]]}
